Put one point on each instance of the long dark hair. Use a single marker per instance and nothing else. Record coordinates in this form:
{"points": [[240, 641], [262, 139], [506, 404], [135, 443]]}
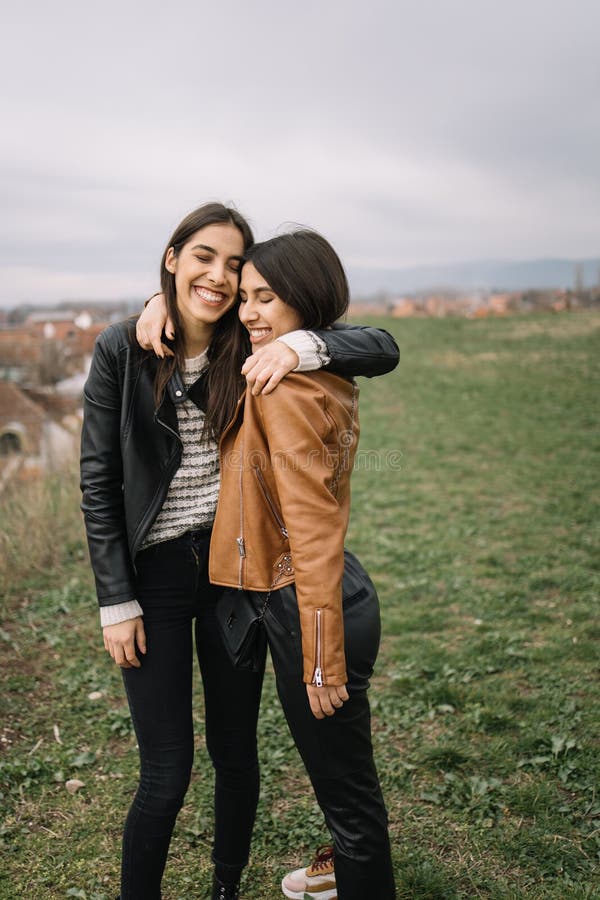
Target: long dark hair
{"points": [[304, 270], [229, 344]]}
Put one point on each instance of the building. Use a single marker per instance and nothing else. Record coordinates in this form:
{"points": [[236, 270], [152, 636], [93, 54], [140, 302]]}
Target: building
{"points": [[34, 439], [49, 347]]}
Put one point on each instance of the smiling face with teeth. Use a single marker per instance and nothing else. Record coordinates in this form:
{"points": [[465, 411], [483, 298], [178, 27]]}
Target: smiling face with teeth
{"points": [[207, 271], [264, 314]]}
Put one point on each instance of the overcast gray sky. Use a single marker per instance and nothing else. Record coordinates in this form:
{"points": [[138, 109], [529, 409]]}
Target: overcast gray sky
{"points": [[407, 132]]}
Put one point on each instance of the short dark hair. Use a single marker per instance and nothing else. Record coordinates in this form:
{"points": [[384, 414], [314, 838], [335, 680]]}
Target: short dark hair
{"points": [[304, 270]]}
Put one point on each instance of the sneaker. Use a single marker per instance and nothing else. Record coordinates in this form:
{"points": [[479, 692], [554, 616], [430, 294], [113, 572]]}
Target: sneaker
{"points": [[316, 880]]}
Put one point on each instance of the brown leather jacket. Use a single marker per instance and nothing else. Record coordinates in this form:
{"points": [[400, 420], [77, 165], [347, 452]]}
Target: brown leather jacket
{"points": [[284, 504]]}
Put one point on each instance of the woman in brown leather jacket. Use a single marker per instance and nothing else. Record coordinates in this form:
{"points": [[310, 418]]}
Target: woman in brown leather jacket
{"points": [[279, 531]]}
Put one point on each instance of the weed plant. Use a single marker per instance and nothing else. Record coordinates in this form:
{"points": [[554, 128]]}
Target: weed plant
{"points": [[41, 531], [475, 509]]}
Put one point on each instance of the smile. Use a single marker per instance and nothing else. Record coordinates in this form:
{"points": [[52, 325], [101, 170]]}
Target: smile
{"points": [[257, 334], [213, 298]]}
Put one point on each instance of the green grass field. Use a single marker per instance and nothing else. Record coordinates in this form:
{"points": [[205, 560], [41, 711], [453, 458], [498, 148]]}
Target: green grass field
{"points": [[476, 510]]}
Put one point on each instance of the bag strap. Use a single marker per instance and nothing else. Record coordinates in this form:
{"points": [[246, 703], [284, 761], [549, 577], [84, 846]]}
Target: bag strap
{"points": [[284, 569], [265, 605]]}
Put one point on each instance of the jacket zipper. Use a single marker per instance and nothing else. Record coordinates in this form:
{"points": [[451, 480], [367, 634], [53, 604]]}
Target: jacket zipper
{"points": [[240, 540], [318, 673], [152, 512], [166, 427], [276, 515]]}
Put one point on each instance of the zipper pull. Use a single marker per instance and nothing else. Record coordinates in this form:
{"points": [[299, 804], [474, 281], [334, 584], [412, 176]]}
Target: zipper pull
{"points": [[318, 673], [241, 547]]}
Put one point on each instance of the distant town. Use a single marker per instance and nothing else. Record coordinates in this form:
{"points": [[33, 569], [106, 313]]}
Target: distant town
{"points": [[45, 355], [44, 358], [475, 304]]}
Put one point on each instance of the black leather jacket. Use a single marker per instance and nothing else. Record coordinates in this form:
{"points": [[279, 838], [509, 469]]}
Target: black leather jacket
{"points": [[130, 451]]}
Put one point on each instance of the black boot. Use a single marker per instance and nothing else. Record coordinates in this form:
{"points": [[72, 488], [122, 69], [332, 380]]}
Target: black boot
{"points": [[222, 891]]}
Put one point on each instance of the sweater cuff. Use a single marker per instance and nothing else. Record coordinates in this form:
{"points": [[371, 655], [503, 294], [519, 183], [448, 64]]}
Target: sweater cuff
{"points": [[311, 350], [120, 612]]}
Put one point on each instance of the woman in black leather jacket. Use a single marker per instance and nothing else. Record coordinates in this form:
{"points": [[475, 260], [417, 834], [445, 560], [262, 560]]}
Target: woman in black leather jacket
{"points": [[149, 476]]}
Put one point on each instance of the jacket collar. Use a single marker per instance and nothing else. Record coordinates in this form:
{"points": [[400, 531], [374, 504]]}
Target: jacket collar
{"points": [[178, 392], [176, 389]]}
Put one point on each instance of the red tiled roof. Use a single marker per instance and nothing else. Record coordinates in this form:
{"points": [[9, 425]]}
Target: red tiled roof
{"points": [[15, 406]]}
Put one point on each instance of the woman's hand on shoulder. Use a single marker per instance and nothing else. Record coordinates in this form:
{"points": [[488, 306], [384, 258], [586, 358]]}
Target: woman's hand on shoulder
{"points": [[151, 324], [265, 368], [121, 641], [325, 700]]}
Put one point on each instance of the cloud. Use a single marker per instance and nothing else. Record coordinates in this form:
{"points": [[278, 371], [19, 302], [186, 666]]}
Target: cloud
{"points": [[406, 133]]}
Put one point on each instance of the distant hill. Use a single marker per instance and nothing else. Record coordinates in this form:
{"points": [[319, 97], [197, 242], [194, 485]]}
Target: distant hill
{"points": [[478, 275]]}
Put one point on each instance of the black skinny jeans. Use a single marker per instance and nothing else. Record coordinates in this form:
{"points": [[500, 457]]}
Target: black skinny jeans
{"points": [[337, 750], [173, 590]]}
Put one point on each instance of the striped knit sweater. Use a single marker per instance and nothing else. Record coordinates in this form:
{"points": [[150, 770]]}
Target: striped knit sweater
{"points": [[193, 493]]}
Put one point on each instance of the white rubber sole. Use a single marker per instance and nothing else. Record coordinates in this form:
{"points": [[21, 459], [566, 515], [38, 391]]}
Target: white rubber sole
{"points": [[300, 895]]}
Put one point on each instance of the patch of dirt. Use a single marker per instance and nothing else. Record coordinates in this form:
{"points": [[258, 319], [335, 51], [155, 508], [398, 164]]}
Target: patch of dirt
{"points": [[450, 359], [562, 326]]}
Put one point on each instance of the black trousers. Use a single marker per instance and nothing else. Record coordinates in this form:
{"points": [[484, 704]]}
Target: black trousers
{"points": [[174, 592], [337, 750]]}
